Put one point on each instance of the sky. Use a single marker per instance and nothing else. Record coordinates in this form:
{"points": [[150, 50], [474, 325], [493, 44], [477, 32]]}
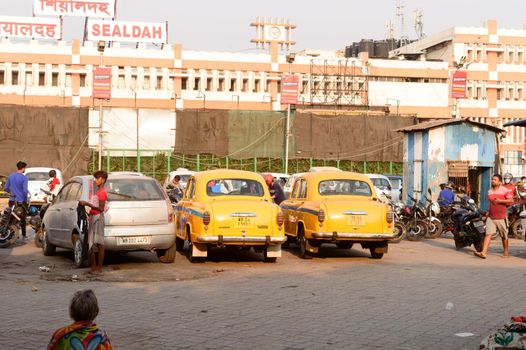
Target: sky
{"points": [[214, 25]]}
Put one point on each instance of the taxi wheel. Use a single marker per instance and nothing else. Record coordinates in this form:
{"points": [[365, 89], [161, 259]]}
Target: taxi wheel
{"points": [[344, 245], [289, 240], [179, 244], [376, 255], [190, 255], [302, 243], [268, 259]]}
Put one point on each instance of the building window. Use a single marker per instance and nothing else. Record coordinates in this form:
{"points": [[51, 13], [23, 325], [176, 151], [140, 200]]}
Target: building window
{"points": [[146, 82], [41, 79], [221, 85], [208, 84], [14, 80], [197, 84], [184, 83], [257, 85], [245, 85], [159, 84], [82, 80], [54, 79], [232, 85]]}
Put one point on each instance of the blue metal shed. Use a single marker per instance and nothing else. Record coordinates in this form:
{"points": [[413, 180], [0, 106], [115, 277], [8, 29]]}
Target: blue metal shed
{"points": [[457, 150]]}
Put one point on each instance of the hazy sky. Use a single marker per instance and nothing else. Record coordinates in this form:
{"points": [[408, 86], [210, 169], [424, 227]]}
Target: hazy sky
{"points": [[325, 24]]}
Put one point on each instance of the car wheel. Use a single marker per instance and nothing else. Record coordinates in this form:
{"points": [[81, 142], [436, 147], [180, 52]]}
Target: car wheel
{"points": [[179, 244], [286, 244], [47, 248], [375, 255], [167, 255], [268, 259], [81, 259], [344, 245], [302, 243]]}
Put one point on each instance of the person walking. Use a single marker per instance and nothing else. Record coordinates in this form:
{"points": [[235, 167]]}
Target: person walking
{"points": [[82, 333], [499, 197], [16, 185], [96, 221]]}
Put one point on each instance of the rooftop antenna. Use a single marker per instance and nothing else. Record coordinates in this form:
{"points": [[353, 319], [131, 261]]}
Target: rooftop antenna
{"points": [[418, 17], [389, 30], [400, 14]]}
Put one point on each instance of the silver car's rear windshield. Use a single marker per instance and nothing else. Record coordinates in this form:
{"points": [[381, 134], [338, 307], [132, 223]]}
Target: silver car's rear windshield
{"points": [[37, 176], [380, 183], [133, 190], [234, 187], [344, 188]]}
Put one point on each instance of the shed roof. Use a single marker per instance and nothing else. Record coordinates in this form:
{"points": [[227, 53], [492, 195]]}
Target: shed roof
{"points": [[442, 122]]}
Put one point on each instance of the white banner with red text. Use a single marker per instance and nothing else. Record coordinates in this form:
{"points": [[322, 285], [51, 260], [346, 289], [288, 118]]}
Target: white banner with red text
{"points": [[136, 32], [30, 27], [76, 8]]}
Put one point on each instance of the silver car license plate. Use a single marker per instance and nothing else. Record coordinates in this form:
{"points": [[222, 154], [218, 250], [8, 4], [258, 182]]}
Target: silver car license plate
{"points": [[134, 240]]}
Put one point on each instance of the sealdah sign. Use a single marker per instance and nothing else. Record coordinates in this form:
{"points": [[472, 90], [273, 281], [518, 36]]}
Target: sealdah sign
{"points": [[127, 31]]}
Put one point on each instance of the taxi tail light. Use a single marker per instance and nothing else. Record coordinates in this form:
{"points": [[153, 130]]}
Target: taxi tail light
{"points": [[280, 219], [389, 216], [321, 216], [206, 218]]}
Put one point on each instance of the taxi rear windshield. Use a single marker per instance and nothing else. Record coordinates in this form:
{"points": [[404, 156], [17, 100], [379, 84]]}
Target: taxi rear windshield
{"points": [[344, 188], [122, 190], [234, 187]]}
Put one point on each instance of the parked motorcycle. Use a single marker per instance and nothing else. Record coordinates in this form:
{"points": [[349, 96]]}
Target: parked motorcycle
{"points": [[35, 222], [9, 223], [399, 227], [434, 224], [414, 218], [470, 228]]}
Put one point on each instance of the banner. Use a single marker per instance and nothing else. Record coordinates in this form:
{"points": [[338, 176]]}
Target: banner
{"points": [[78, 8], [102, 83], [458, 84], [30, 27], [289, 89], [135, 32]]}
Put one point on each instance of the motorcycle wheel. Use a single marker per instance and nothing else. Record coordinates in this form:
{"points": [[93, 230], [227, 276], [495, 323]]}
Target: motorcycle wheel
{"points": [[38, 238], [401, 232], [517, 230], [416, 231], [479, 245], [435, 228], [9, 237]]}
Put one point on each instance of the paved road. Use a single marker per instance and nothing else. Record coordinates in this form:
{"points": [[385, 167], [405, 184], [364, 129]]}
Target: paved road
{"points": [[418, 297]]}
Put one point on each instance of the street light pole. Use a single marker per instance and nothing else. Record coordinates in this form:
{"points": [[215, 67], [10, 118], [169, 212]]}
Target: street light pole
{"points": [[290, 58], [101, 47]]}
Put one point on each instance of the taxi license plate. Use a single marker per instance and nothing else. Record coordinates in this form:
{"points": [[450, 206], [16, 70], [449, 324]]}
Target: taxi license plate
{"points": [[356, 220], [242, 222], [135, 240]]}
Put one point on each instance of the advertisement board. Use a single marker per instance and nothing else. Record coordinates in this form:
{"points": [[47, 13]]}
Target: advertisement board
{"points": [[102, 83], [289, 89], [77, 8], [122, 31], [458, 84], [30, 27]]}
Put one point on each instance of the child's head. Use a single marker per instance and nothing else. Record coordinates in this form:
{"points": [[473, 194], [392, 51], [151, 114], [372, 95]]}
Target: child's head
{"points": [[100, 177], [52, 173]]}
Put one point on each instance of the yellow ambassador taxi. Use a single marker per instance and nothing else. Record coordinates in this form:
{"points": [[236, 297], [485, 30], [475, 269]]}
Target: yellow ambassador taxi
{"points": [[228, 208], [337, 207]]}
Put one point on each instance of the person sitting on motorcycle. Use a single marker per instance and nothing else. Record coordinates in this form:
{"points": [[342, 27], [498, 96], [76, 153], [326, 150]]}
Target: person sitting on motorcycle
{"points": [[446, 195], [53, 185], [508, 183], [16, 186]]}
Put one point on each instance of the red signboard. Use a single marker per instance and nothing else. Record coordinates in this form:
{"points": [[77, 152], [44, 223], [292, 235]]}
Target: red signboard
{"points": [[289, 89], [102, 83], [458, 84]]}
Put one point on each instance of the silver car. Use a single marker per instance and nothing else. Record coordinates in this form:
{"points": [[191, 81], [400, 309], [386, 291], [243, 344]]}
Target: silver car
{"points": [[139, 216]]}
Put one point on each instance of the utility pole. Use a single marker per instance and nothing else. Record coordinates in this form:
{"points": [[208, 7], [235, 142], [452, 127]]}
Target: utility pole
{"points": [[290, 59]]}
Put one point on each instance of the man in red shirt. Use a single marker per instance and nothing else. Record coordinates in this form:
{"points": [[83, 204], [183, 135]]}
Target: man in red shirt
{"points": [[499, 197], [96, 221]]}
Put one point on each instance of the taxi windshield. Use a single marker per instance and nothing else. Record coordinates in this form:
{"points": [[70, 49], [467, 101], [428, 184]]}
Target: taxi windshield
{"points": [[344, 188], [234, 187]]}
